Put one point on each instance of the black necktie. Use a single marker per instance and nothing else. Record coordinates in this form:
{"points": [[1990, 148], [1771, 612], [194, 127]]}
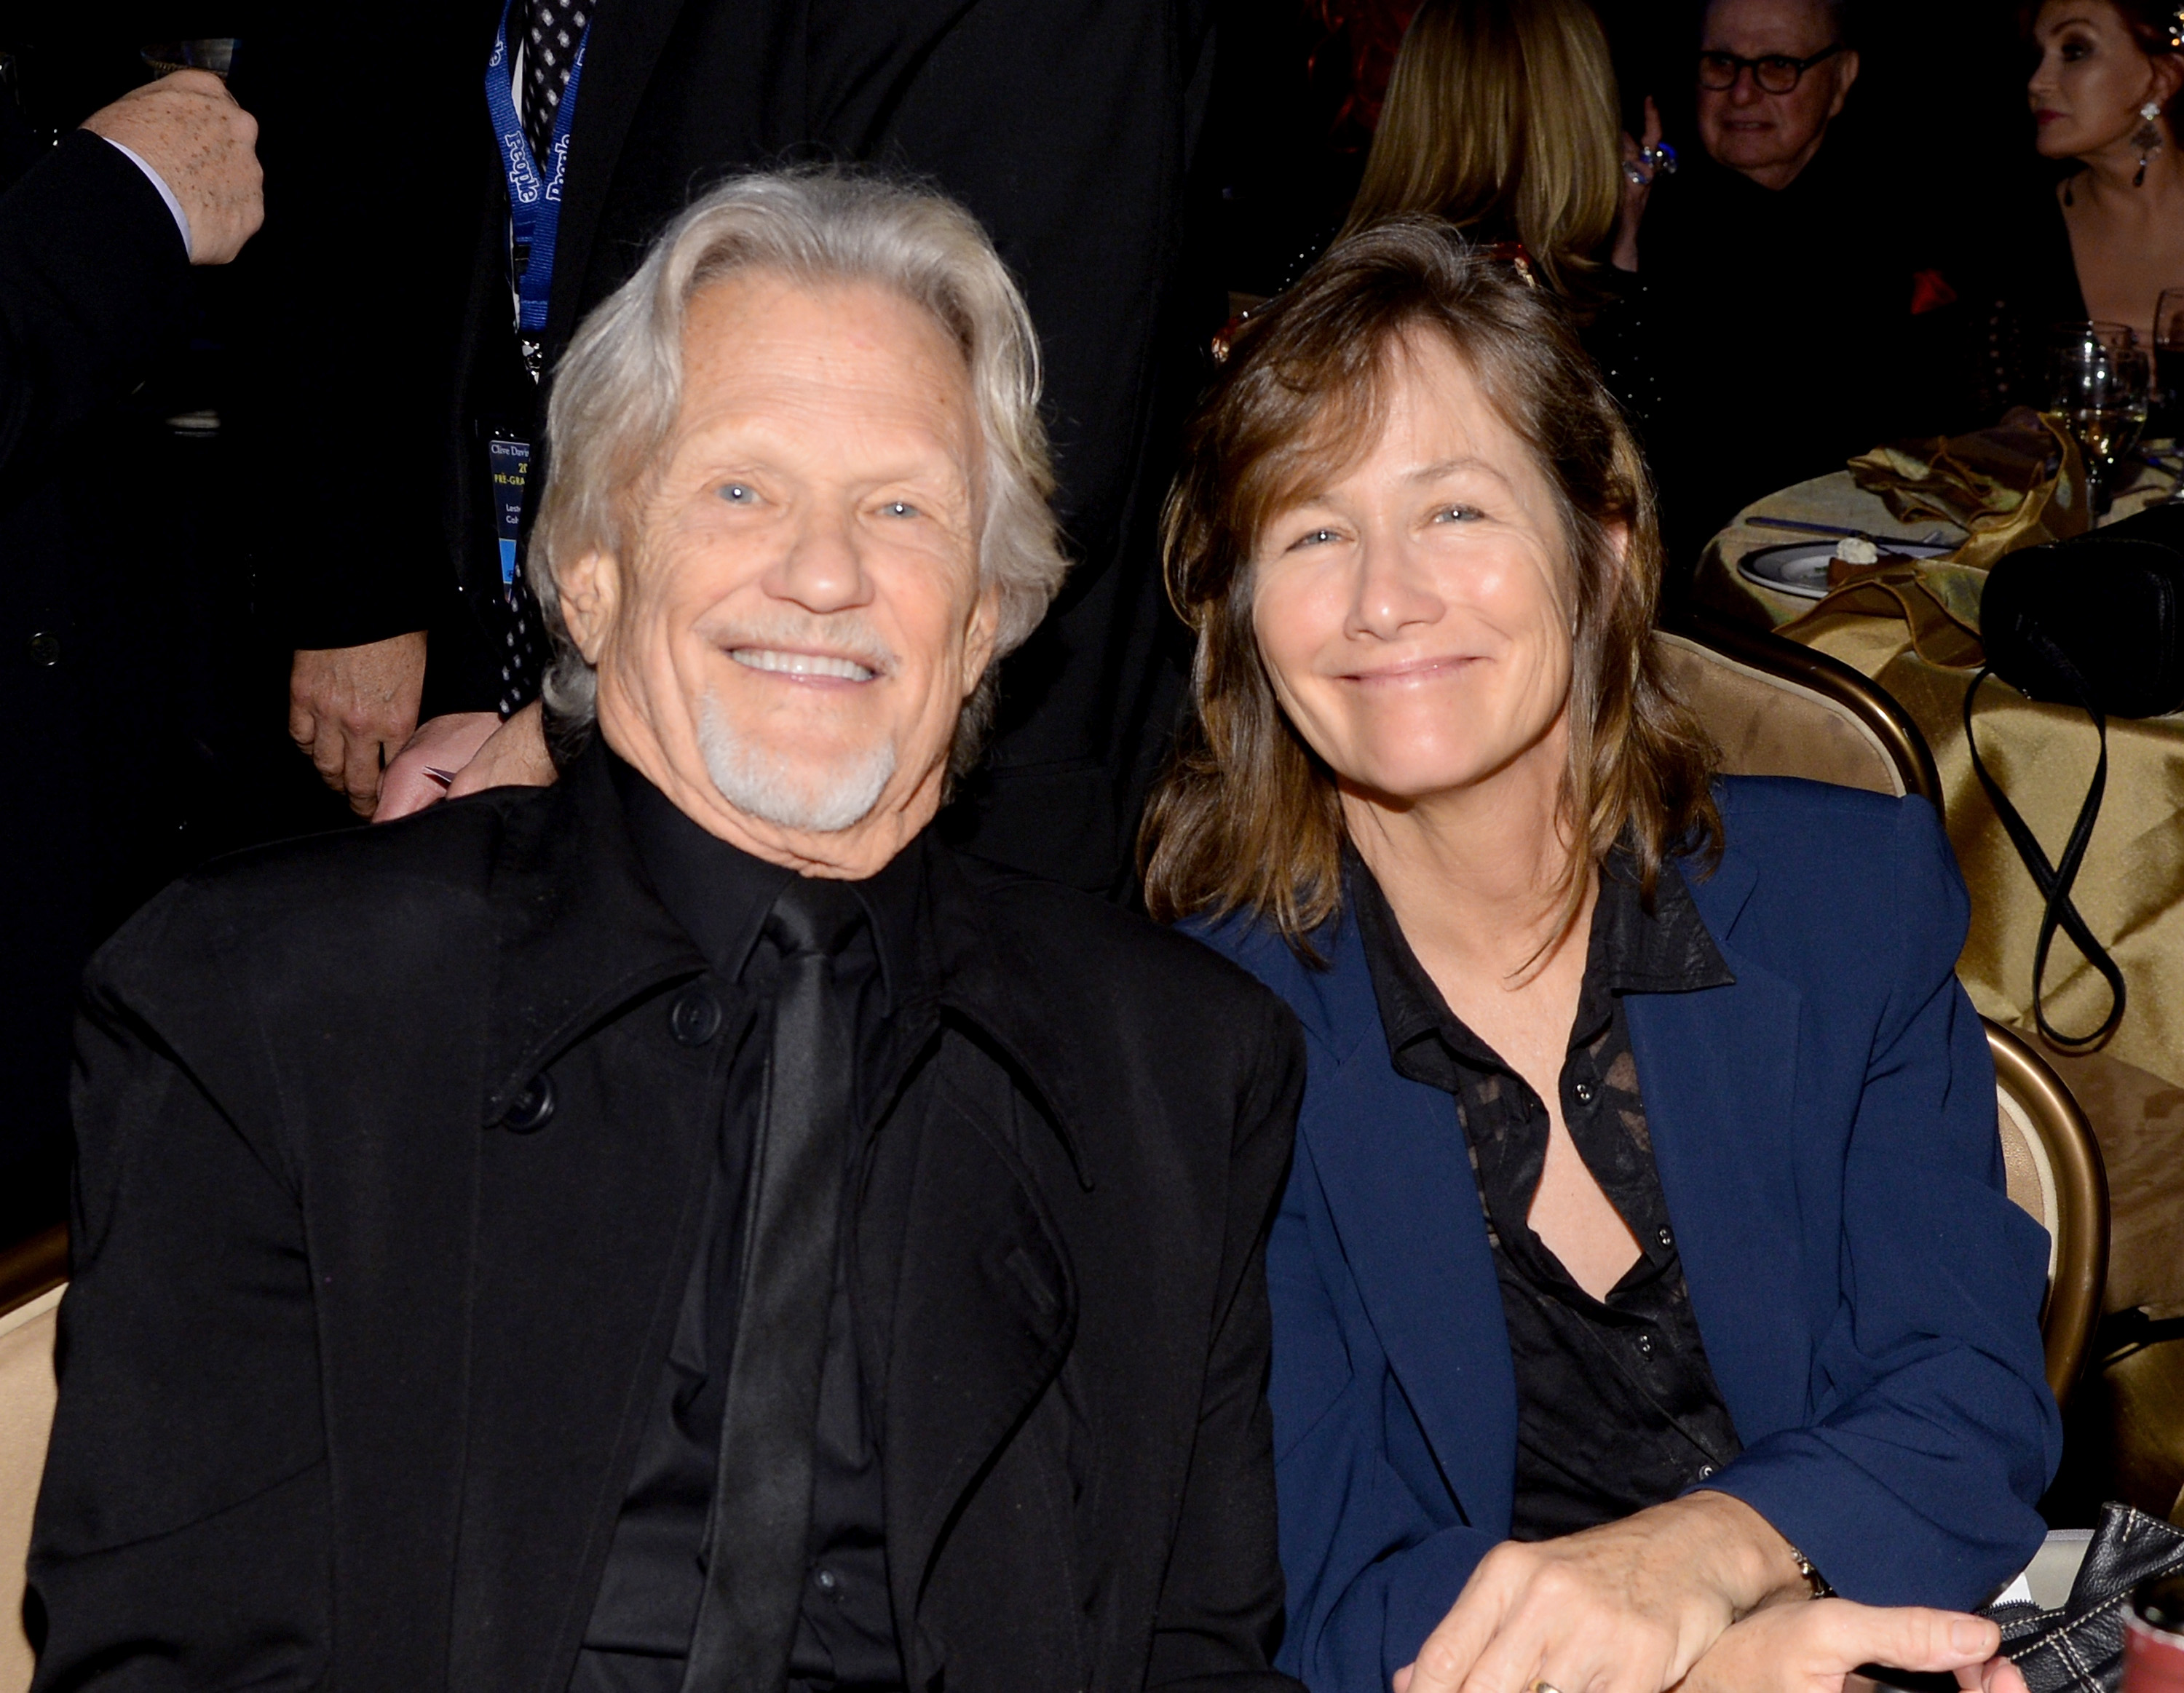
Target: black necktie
{"points": [[550, 35], [761, 1517]]}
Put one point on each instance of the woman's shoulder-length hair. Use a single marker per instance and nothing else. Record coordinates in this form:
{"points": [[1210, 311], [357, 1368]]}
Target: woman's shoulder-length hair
{"points": [[1247, 817]]}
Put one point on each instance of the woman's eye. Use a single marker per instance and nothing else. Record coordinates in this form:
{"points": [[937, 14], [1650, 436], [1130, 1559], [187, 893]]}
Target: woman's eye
{"points": [[2075, 50], [1317, 538], [1458, 514], [899, 508], [737, 493]]}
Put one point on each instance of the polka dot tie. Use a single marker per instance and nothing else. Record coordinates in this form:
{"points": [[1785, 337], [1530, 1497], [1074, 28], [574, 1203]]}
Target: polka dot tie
{"points": [[551, 31], [523, 652]]}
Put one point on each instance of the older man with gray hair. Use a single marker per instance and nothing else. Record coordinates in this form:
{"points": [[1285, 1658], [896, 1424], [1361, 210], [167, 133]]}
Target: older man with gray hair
{"points": [[712, 1236]]}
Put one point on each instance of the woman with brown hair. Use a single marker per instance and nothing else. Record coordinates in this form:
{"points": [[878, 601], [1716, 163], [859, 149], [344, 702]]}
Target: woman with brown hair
{"points": [[2107, 239], [1501, 117], [1646, 1260]]}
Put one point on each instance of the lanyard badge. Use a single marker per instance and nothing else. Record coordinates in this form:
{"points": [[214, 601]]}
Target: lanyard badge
{"points": [[534, 189]]}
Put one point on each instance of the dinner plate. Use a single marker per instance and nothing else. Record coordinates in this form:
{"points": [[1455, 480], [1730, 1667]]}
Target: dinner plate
{"points": [[1801, 567]]}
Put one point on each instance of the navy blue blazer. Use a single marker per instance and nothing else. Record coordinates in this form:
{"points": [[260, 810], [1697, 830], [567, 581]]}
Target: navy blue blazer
{"points": [[1824, 1130]]}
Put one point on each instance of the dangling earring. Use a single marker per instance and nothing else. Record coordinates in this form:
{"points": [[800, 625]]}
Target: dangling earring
{"points": [[2147, 140]]}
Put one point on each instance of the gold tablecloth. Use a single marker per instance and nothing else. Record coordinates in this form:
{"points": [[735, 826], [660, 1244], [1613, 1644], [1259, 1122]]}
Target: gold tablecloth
{"points": [[2130, 888]]}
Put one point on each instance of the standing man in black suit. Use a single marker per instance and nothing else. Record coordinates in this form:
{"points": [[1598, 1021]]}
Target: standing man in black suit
{"points": [[96, 240], [685, 1227], [1067, 130]]}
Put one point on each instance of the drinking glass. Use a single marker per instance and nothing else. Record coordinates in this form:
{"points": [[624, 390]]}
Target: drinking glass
{"points": [[2098, 379], [2165, 413]]}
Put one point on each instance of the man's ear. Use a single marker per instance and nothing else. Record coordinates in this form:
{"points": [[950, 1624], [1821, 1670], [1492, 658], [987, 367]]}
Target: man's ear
{"points": [[589, 587], [1845, 70], [979, 640]]}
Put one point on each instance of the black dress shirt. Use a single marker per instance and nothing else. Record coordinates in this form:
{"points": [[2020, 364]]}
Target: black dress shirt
{"points": [[642, 1622], [1617, 1409]]}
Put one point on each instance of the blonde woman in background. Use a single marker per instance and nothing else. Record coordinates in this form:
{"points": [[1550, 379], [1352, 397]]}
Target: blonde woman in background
{"points": [[1502, 117]]}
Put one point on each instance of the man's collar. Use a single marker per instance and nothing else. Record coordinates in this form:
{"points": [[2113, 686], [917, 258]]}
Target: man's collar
{"points": [[721, 894], [582, 932]]}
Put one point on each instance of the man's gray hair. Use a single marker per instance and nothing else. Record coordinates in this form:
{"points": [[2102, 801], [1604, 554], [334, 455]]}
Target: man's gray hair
{"points": [[619, 388]]}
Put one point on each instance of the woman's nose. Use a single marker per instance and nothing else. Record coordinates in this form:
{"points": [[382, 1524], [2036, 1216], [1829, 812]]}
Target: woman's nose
{"points": [[1393, 594]]}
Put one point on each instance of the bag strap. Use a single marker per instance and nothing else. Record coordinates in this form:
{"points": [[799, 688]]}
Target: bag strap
{"points": [[2054, 881]]}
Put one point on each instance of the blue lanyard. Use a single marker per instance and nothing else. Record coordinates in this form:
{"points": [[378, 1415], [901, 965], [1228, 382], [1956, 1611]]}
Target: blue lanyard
{"points": [[534, 198]]}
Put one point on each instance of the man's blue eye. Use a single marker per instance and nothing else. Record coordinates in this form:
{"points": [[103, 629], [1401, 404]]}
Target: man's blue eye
{"points": [[736, 493], [1458, 514], [898, 507]]}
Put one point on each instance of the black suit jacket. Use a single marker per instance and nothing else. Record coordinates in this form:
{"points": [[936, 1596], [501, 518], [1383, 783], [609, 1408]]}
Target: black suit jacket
{"points": [[352, 1378], [1068, 130], [99, 602]]}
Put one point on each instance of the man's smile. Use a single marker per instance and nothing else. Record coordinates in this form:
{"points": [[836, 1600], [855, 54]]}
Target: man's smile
{"points": [[816, 666]]}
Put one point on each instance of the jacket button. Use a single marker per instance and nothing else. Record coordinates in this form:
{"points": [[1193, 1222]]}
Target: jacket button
{"points": [[529, 1111], [45, 648], [1645, 1345], [694, 1018], [1583, 1092]]}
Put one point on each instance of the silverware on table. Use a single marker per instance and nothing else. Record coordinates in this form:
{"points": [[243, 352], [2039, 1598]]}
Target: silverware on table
{"points": [[1807, 528]]}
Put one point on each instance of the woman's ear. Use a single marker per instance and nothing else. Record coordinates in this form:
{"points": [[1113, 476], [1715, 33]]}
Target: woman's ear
{"points": [[2168, 78], [589, 589]]}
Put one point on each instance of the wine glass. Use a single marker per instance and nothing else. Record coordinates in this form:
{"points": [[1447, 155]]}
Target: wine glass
{"points": [[2098, 380]]}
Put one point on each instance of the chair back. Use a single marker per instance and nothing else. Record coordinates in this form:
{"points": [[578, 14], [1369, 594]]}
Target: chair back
{"points": [[31, 1278], [1774, 707], [2052, 1166]]}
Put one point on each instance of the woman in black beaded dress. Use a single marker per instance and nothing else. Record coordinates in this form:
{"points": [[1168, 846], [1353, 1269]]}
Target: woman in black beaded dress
{"points": [[1501, 117]]}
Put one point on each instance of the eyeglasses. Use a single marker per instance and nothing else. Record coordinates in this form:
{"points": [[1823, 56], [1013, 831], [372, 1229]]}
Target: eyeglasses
{"points": [[1775, 73]]}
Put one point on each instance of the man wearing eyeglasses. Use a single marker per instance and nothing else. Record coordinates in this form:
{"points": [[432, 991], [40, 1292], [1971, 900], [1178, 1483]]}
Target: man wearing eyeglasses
{"points": [[1782, 285], [1773, 74]]}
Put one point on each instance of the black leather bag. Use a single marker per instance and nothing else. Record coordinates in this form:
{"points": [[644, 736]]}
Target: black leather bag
{"points": [[2097, 622], [2079, 1647]]}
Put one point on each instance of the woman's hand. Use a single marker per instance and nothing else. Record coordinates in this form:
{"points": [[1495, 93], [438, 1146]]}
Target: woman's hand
{"points": [[466, 752], [1627, 1607], [1636, 190], [1810, 1648]]}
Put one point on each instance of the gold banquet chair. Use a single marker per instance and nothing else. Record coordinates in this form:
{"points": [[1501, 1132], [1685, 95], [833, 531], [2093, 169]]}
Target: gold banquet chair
{"points": [[31, 1278], [1777, 708]]}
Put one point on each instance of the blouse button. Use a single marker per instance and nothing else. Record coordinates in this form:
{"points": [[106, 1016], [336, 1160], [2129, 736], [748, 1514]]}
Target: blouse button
{"points": [[1645, 1344], [1665, 1237], [1583, 1092]]}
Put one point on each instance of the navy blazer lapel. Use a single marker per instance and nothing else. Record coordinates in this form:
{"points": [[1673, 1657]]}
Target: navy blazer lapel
{"points": [[1393, 1165], [1718, 1068]]}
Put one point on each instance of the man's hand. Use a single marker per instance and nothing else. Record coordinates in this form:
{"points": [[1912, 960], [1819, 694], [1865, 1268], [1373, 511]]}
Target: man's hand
{"points": [[466, 752], [351, 709], [1810, 1648], [188, 127], [1627, 1607]]}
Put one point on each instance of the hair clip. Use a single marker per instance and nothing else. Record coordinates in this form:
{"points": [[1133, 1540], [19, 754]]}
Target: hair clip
{"points": [[1512, 253]]}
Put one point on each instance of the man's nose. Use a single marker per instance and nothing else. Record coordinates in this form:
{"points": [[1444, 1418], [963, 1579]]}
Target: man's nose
{"points": [[1746, 90], [823, 569]]}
